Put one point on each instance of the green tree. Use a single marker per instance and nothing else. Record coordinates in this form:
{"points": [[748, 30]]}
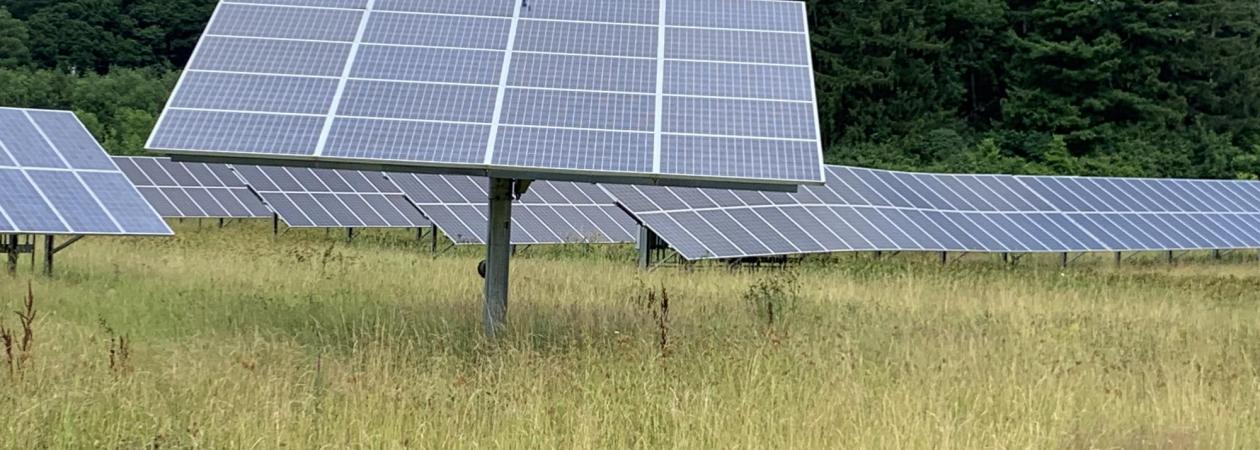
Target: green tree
{"points": [[14, 51]]}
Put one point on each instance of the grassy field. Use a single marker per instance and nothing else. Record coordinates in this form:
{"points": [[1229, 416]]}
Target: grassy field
{"points": [[234, 339]]}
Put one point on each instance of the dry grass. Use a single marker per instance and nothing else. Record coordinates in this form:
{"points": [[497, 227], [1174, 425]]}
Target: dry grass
{"points": [[233, 340]]}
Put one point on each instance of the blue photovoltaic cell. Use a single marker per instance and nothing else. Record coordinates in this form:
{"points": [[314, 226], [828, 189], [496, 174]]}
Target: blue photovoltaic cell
{"points": [[258, 93], [738, 80], [751, 118], [266, 56], [574, 149], [394, 100], [569, 109], [499, 8], [55, 179], [747, 15], [240, 132], [725, 71], [586, 39], [437, 31], [368, 139], [633, 12], [736, 46], [582, 72], [442, 65], [286, 22]]}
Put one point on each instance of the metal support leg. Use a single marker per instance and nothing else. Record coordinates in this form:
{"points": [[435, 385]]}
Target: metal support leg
{"points": [[433, 240], [220, 223], [50, 250], [647, 244], [944, 258], [1063, 260], [349, 234], [1172, 257], [879, 254], [1119, 258], [1006, 258], [498, 256], [275, 224], [1216, 255], [11, 247]]}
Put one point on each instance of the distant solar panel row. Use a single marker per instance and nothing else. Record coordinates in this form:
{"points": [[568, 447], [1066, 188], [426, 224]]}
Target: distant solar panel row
{"points": [[678, 90], [192, 190], [862, 209], [308, 198], [548, 213], [55, 179]]}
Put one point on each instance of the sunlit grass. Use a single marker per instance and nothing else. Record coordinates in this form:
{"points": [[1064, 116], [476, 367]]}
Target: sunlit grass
{"points": [[239, 339]]}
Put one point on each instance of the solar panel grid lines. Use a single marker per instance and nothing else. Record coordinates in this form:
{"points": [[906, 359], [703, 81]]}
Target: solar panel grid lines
{"points": [[192, 190], [323, 198], [56, 179], [548, 213], [309, 81], [866, 209]]}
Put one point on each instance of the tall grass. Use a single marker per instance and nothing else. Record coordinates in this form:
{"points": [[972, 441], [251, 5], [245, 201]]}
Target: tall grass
{"points": [[236, 339]]}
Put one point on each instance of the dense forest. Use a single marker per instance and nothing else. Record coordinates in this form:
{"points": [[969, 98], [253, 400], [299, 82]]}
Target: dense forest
{"points": [[1094, 87]]}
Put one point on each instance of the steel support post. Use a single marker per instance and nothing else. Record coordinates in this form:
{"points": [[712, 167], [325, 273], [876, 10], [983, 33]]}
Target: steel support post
{"points": [[1119, 258], [433, 239], [647, 245], [1172, 257], [50, 251], [11, 247], [498, 256], [944, 258], [275, 224], [1063, 260]]}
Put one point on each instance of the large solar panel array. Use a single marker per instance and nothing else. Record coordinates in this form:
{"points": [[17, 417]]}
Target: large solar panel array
{"points": [[863, 209], [692, 92], [192, 190], [56, 179], [321, 198], [548, 213]]}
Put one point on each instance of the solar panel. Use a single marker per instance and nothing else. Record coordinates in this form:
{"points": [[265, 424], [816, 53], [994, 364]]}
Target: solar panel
{"points": [[322, 198], [56, 179], [678, 92], [549, 213], [192, 190], [864, 209]]}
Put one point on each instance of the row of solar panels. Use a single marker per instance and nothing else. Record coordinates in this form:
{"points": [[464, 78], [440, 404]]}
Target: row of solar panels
{"points": [[857, 210], [862, 209], [550, 213]]}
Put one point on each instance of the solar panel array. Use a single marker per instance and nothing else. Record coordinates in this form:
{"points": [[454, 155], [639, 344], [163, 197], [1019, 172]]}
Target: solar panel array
{"points": [[548, 213], [321, 198], [192, 190], [863, 209], [677, 91], [56, 179]]}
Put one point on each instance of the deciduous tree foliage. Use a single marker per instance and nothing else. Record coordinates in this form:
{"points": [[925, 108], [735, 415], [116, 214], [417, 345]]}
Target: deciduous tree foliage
{"points": [[1116, 87]]}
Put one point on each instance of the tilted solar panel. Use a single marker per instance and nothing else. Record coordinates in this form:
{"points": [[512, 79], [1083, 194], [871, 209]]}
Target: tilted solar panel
{"points": [[192, 190], [321, 198], [863, 209], [681, 92], [56, 179], [548, 213]]}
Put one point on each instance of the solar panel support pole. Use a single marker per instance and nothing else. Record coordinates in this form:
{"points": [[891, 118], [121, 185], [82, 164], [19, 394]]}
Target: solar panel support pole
{"points": [[275, 224], [349, 234], [1119, 258], [11, 247], [1063, 260], [944, 258], [498, 255], [1172, 257], [49, 251], [433, 240], [1216, 254], [647, 244]]}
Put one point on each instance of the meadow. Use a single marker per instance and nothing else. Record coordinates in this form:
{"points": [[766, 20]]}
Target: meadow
{"points": [[233, 338]]}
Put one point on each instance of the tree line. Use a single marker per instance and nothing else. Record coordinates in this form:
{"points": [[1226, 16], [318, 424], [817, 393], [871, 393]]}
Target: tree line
{"points": [[1089, 87]]}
